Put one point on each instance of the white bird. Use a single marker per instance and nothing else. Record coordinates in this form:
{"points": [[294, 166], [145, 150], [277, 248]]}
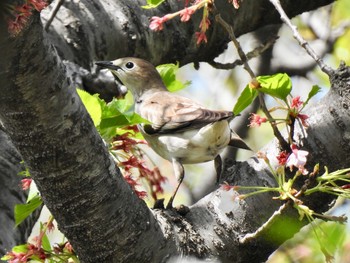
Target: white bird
{"points": [[181, 130]]}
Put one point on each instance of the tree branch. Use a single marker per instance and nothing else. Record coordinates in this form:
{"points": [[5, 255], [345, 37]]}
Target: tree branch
{"points": [[324, 67]]}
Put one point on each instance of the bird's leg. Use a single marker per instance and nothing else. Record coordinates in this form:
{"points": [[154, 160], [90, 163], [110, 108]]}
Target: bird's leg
{"points": [[218, 168], [179, 174]]}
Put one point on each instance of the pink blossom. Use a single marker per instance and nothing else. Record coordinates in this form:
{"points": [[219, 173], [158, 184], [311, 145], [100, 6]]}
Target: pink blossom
{"points": [[296, 103], [50, 226], [303, 118], [125, 142], [38, 4], [201, 37], [282, 158], [262, 155], [295, 108], [204, 24], [256, 120], [14, 27], [26, 183], [226, 187], [17, 257], [235, 3], [157, 23], [68, 247], [133, 183], [185, 14], [297, 159], [24, 10], [187, 2]]}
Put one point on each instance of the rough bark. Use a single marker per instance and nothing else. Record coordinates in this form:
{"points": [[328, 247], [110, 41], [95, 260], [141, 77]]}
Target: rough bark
{"points": [[83, 189], [10, 195], [123, 30], [64, 153]]}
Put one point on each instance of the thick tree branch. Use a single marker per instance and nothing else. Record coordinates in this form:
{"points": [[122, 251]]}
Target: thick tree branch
{"points": [[66, 157], [10, 195], [79, 39]]}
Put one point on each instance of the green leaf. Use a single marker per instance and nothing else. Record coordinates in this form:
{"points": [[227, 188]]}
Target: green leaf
{"points": [[278, 85], [17, 249], [25, 172], [46, 243], [22, 211], [117, 121], [152, 4], [117, 114], [92, 105], [122, 120], [335, 236], [314, 90], [134, 118], [168, 74], [20, 248], [33, 191], [177, 85], [245, 99], [6, 257]]}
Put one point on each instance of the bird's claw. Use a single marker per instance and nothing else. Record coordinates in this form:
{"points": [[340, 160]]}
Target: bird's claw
{"points": [[159, 204]]}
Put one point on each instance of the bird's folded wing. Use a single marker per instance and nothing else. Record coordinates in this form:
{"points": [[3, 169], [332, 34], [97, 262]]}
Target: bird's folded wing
{"points": [[172, 113]]}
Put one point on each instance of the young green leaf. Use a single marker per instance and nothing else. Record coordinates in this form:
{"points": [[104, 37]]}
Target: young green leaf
{"points": [[92, 105], [25, 172], [116, 121], [122, 120], [17, 249], [314, 90], [46, 243], [245, 99], [168, 74], [33, 191], [152, 4], [22, 211], [6, 257], [278, 85]]}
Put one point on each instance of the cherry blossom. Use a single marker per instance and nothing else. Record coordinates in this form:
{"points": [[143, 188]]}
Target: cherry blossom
{"points": [[297, 159], [256, 120]]}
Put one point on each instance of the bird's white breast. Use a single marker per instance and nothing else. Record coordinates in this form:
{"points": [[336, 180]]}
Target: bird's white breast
{"points": [[192, 146]]}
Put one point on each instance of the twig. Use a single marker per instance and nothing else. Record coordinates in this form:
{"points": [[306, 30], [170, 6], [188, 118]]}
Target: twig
{"points": [[340, 219], [265, 227], [242, 55], [302, 42], [53, 14], [246, 66], [252, 54], [284, 144], [239, 49]]}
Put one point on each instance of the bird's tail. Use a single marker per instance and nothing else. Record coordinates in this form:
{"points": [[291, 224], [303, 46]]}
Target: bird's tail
{"points": [[238, 142]]}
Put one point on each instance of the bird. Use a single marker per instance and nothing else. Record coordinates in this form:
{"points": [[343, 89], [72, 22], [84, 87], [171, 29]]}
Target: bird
{"points": [[180, 130]]}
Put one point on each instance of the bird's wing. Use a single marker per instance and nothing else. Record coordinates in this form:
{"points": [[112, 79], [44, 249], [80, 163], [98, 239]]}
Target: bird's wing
{"points": [[171, 113]]}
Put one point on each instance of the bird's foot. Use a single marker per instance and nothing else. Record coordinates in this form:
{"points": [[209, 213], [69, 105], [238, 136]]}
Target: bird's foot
{"points": [[159, 204]]}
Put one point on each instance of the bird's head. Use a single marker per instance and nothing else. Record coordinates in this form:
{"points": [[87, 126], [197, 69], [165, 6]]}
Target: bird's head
{"points": [[136, 74]]}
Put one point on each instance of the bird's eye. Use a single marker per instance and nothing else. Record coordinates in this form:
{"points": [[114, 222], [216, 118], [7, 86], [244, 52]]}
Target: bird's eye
{"points": [[129, 65]]}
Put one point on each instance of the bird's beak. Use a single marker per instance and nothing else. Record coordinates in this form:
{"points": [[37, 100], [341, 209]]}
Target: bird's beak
{"points": [[107, 64]]}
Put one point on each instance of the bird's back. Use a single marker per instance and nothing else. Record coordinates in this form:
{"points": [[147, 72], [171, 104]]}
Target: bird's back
{"points": [[170, 113], [182, 129]]}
